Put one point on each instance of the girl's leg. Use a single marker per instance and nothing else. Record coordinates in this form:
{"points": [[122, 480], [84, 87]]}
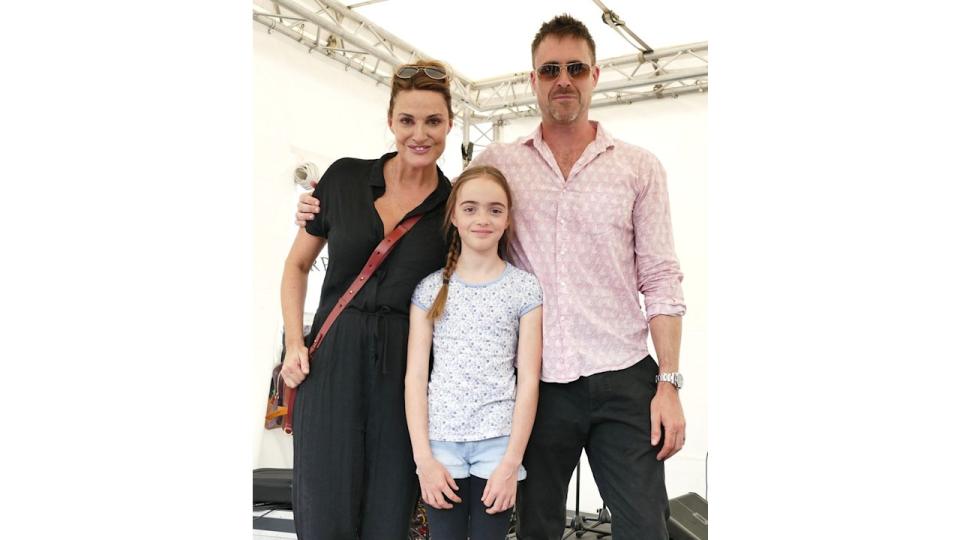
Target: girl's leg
{"points": [[452, 524], [484, 526]]}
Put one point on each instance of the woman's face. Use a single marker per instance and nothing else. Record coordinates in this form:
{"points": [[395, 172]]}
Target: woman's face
{"points": [[420, 122]]}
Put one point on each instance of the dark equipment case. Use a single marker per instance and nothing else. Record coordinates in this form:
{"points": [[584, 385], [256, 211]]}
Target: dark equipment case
{"points": [[688, 518], [273, 487]]}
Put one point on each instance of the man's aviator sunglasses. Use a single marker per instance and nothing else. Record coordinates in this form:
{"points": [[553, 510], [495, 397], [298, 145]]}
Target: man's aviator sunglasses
{"points": [[434, 73], [575, 70]]}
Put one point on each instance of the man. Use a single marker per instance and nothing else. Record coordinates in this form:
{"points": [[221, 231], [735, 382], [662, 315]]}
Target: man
{"points": [[592, 222]]}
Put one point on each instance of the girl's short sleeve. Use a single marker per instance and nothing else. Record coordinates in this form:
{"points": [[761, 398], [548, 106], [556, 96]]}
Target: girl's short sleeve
{"points": [[530, 295], [426, 291]]}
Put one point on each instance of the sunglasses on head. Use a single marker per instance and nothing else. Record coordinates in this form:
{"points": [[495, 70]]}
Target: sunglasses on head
{"points": [[434, 73], [575, 70]]}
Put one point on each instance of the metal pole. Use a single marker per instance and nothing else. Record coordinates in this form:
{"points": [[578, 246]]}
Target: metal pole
{"points": [[274, 25], [333, 29]]}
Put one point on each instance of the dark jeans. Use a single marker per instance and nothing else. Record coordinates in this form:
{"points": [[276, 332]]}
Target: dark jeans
{"points": [[608, 414], [468, 517]]}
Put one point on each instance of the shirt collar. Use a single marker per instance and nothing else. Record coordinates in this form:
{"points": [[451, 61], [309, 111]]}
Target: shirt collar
{"points": [[437, 198], [376, 172], [603, 140]]}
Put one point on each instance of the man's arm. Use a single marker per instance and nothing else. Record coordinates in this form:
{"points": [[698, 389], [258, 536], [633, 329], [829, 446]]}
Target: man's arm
{"points": [[659, 278], [665, 408], [308, 206]]}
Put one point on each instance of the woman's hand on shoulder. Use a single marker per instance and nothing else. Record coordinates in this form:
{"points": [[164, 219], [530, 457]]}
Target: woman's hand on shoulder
{"points": [[296, 364], [435, 483]]}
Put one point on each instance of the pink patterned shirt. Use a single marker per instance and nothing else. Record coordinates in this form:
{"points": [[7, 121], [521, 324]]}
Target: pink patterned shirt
{"points": [[593, 241]]}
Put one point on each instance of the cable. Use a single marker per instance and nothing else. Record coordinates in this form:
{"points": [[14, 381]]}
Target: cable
{"points": [[272, 507], [706, 478], [613, 21], [264, 514]]}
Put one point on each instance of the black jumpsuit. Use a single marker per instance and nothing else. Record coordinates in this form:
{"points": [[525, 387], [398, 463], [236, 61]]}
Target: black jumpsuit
{"points": [[354, 475]]}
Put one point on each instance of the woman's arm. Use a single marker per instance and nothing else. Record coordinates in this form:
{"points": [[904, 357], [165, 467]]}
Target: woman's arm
{"points": [[501, 491], [435, 479], [293, 290]]}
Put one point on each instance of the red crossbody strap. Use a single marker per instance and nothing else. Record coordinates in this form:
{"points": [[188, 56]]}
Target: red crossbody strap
{"points": [[376, 259]]}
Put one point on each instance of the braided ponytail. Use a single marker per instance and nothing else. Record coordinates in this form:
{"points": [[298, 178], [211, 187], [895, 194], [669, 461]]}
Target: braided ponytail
{"points": [[441, 301]]}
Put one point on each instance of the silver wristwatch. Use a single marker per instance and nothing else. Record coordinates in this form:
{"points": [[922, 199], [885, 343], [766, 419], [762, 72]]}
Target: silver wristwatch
{"points": [[675, 379]]}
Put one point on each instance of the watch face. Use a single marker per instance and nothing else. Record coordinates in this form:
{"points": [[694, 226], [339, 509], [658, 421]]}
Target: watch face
{"points": [[679, 381]]}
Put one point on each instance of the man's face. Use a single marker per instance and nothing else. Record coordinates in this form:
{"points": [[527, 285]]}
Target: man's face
{"points": [[566, 98]]}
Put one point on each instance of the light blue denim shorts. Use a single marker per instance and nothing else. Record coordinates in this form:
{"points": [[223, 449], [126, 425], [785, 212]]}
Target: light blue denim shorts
{"points": [[477, 458]]}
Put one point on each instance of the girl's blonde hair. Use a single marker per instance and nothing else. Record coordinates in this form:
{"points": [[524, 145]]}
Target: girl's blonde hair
{"points": [[436, 310]]}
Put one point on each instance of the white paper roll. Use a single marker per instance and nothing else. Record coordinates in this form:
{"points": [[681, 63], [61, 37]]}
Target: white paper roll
{"points": [[306, 173]]}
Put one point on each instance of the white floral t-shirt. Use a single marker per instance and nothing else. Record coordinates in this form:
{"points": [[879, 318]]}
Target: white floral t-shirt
{"points": [[473, 383]]}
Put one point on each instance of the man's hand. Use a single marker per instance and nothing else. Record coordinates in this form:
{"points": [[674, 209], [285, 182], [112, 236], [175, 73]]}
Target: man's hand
{"points": [[500, 494], [665, 409], [308, 206], [435, 483]]}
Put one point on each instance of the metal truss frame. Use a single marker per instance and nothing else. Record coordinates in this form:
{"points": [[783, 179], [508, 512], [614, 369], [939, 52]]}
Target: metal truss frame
{"points": [[337, 32]]}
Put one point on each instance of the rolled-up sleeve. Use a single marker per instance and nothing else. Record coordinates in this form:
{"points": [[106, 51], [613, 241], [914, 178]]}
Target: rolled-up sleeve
{"points": [[658, 270]]}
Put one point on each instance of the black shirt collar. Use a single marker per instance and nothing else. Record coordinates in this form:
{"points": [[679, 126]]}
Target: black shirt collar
{"points": [[438, 197]]}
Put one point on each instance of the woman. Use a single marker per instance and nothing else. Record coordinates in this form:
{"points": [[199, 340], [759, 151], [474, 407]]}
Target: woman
{"points": [[354, 472]]}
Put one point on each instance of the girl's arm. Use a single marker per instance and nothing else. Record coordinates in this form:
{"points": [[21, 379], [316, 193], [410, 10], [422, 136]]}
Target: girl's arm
{"points": [[501, 491], [293, 290], [435, 480]]}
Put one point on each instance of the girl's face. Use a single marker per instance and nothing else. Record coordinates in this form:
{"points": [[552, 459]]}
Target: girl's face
{"points": [[481, 214], [420, 123]]}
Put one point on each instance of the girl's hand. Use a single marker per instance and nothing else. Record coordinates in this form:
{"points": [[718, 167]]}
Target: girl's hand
{"points": [[501, 491], [435, 483], [296, 364]]}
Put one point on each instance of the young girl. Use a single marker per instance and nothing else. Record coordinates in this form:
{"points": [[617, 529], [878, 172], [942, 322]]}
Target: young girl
{"points": [[482, 316]]}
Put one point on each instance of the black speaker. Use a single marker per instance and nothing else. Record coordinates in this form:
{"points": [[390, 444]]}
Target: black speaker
{"points": [[688, 518], [273, 486]]}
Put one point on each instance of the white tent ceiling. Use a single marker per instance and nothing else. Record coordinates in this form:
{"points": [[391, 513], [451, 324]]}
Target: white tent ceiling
{"points": [[491, 37], [648, 52]]}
